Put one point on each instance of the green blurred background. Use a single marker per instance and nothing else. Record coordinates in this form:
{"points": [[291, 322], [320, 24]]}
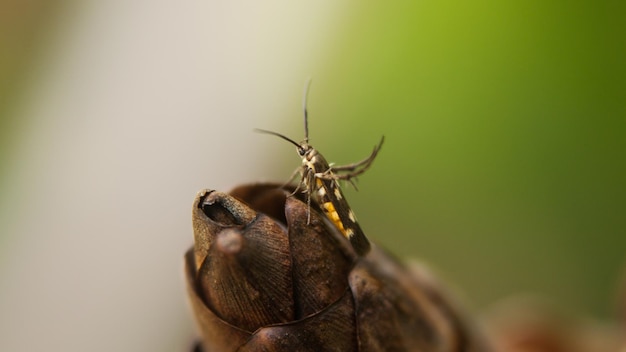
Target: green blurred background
{"points": [[505, 122], [505, 125]]}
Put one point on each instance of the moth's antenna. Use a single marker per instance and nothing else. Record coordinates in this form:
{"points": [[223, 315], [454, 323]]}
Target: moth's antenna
{"points": [[279, 135], [306, 113]]}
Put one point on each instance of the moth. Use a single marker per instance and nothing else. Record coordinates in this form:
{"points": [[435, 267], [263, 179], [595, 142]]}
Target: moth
{"points": [[319, 180]]}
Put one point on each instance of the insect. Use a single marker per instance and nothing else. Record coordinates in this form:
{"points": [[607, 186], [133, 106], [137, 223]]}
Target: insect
{"points": [[319, 180]]}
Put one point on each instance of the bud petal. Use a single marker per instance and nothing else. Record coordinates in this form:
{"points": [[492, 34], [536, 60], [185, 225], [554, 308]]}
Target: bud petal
{"points": [[216, 334], [320, 266], [245, 277], [332, 329]]}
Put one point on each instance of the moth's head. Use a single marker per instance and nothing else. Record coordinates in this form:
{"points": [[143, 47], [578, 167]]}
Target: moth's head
{"points": [[306, 151]]}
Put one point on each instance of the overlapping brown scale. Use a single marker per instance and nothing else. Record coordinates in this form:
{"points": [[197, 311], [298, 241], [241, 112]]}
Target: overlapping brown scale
{"points": [[321, 262], [251, 287], [269, 279], [332, 329], [321, 257], [248, 267], [246, 276], [216, 334], [395, 315]]}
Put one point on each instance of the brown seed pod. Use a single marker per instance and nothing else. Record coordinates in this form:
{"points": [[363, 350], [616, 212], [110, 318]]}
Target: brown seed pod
{"points": [[261, 276]]}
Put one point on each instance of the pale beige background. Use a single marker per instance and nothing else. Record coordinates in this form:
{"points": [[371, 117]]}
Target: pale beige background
{"points": [[138, 105]]}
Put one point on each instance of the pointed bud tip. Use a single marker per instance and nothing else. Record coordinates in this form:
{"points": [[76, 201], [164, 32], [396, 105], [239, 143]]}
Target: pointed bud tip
{"points": [[222, 208]]}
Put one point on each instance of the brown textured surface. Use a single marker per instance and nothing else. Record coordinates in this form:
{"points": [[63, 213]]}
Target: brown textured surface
{"points": [[216, 335], [253, 287], [288, 284], [392, 315], [332, 329], [320, 267]]}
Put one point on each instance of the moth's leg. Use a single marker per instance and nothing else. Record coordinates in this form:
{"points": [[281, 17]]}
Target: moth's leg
{"points": [[365, 163], [309, 180], [291, 178]]}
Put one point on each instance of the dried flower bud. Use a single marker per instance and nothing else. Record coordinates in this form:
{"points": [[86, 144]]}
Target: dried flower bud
{"points": [[263, 277]]}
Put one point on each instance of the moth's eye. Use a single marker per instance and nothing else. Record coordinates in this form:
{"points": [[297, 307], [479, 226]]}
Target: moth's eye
{"points": [[301, 151]]}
